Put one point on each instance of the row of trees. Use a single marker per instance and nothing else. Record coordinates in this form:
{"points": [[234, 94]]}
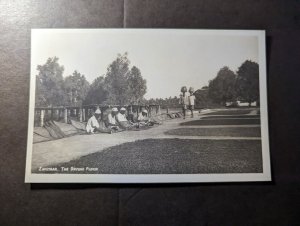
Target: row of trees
{"points": [[243, 85], [123, 85], [120, 85], [227, 86]]}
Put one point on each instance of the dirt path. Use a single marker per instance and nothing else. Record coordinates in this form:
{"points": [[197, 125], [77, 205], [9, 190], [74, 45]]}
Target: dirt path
{"points": [[69, 148]]}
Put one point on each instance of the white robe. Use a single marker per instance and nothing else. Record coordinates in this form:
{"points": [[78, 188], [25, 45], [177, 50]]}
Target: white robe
{"points": [[92, 122]]}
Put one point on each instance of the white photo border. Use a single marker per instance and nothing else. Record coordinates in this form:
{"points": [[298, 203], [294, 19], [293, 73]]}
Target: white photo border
{"points": [[159, 178]]}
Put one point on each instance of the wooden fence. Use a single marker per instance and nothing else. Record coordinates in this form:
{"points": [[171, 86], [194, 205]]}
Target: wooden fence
{"points": [[82, 114]]}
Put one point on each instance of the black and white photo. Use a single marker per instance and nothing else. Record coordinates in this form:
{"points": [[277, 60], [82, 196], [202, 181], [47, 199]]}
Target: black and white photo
{"points": [[147, 106]]}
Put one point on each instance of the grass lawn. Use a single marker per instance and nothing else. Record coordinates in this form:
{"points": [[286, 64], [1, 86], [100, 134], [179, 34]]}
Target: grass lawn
{"points": [[175, 156], [231, 116], [222, 122], [232, 131], [230, 112]]}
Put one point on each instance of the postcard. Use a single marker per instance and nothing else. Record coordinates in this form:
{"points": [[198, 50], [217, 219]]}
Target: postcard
{"points": [[147, 106]]}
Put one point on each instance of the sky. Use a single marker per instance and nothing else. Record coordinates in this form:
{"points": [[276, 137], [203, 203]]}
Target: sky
{"points": [[168, 59]]}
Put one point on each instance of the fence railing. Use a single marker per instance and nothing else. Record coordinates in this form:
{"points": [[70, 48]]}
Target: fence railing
{"points": [[82, 114]]}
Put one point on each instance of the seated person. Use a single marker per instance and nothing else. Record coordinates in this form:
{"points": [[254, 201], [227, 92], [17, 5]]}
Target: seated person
{"points": [[144, 120], [94, 125], [111, 121], [122, 120]]}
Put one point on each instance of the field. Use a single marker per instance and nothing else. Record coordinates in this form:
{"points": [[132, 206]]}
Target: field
{"points": [[222, 121], [171, 156], [230, 112], [231, 116], [231, 132]]}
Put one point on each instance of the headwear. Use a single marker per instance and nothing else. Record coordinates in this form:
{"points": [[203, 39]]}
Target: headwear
{"points": [[191, 89], [114, 109], [122, 109], [183, 89], [98, 111], [145, 111]]}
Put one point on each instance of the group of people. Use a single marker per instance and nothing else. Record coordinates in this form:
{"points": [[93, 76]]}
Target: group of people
{"points": [[117, 121], [187, 101]]}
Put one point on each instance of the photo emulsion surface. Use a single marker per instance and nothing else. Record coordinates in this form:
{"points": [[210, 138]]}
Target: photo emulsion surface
{"points": [[147, 106]]}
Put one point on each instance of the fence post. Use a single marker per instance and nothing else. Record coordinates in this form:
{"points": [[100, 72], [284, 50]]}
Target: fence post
{"points": [[66, 115], [80, 114], [42, 118], [51, 113], [69, 114], [83, 114]]}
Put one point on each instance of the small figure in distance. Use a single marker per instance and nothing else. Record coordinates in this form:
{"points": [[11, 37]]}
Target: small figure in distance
{"points": [[184, 100], [192, 99]]}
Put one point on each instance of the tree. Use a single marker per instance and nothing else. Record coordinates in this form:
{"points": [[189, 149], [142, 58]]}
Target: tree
{"points": [[76, 88], [97, 93], [137, 87], [247, 84], [115, 82], [49, 84], [222, 88], [202, 99], [124, 86]]}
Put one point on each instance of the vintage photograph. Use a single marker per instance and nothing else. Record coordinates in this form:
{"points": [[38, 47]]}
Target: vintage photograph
{"points": [[147, 106]]}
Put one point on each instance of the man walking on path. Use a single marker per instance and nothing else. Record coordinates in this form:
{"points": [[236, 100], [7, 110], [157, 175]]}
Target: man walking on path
{"points": [[192, 99], [184, 100]]}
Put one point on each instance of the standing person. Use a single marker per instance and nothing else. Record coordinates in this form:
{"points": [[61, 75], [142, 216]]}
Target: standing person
{"points": [[184, 100], [111, 121], [94, 125], [192, 99]]}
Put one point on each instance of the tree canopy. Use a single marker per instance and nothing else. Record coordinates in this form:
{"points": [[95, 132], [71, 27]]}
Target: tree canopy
{"points": [[115, 82], [76, 88], [137, 87], [222, 88], [49, 84], [97, 93], [120, 85], [247, 84], [123, 85]]}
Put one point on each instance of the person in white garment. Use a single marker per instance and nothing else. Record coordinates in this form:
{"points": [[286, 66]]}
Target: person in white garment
{"points": [[192, 99], [111, 121], [184, 100], [144, 120], [123, 121], [95, 124]]}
